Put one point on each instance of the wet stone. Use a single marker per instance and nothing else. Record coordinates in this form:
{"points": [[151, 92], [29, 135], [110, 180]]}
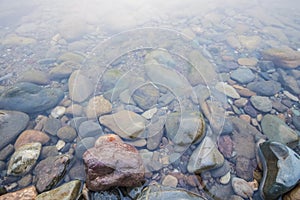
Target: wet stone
{"points": [[228, 90], [50, 171], [83, 145], [30, 136], [146, 96], [28, 193], [97, 106], [250, 110], [263, 104], [289, 82], [67, 191], [33, 97], [89, 129], [265, 88], [24, 158], [12, 123], [52, 126], [112, 194], [154, 133], [244, 168], [170, 181], [225, 145], [294, 194], [242, 75], [67, 133], [61, 71], [48, 151], [241, 187], [35, 76], [80, 87]]}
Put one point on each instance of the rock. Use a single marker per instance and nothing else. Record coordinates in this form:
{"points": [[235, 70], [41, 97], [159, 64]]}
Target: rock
{"points": [[112, 194], [170, 181], [149, 113], [265, 88], [242, 75], [110, 78], [28, 193], [52, 126], [6, 151], [67, 133], [33, 97], [30, 136], [276, 130], [112, 163], [125, 123], [186, 128], [244, 168], [35, 76], [74, 110], [247, 61], [228, 90], [77, 58], [241, 102], [60, 145], [146, 96], [296, 122], [80, 87], [155, 132], [205, 157], [225, 145], [24, 158], [83, 145], [280, 169], [263, 104], [58, 111], [277, 105], [241, 187], [68, 191], [250, 110], [283, 57], [266, 66], [290, 96], [89, 129], [250, 42], [48, 151], [221, 171], [289, 82], [294, 194], [25, 181], [225, 179], [50, 171], [64, 70], [12, 123], [154, 192], [97, 106]]}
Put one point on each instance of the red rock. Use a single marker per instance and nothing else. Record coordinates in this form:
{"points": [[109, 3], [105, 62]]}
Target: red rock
{"points": [[112, 163], [28, 193], [30, 136]]}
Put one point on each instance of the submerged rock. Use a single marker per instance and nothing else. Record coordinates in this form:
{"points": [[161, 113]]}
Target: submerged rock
{"points": [[12, 123], [281, 170], [112, 163], [80, 87], [27, 193], [154, 192], [30, 98]]}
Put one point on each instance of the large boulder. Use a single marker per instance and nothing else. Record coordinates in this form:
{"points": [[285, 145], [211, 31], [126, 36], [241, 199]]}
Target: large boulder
{"points": [[112, 163]]}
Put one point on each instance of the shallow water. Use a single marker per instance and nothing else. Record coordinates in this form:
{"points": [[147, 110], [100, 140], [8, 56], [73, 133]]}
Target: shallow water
{"points": [[184, 48]]}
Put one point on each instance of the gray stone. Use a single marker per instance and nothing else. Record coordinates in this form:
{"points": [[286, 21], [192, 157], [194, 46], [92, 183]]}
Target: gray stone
{"points": [[89, 129], [263, 104], [228, 90], [146, 96], [80, 87], [52, 126], [62, 71], [242, 75], [23, 160], [154, 133], [265, 88], [35, 76], [296, 122], [83, 145], [33, 97], [48, 151], [276, 130], [12, 123], [6, 151], [67, 133], [289, 82]]}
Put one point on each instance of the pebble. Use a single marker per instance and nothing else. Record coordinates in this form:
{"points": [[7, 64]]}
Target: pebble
{"points": [[227, 90], [263, 104], [226, 178], [242, 75], [27, 193], [6, 151], [290, 96], [74, 109], [51, 126], [241, 102], [241, 187], [97, 106], [30, 136], [35, 76], [80, 87], [170, 181], [67, 133], [58, 111], [60, 144], [247, 61], [149, 113], [89, 129], [265, 88]]}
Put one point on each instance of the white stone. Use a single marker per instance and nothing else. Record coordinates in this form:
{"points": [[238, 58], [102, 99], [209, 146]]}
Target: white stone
{"points": [[58, 111]]}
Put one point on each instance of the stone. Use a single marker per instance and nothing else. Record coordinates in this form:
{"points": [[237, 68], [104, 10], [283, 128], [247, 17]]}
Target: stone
{"points": [[205, 157], [247, 61], [6, 151], [225, 179], [276, 130], [155, 191], [294, 194], [52, 126], [25, 181], [280, 169], [27, 193], [228, 90], [241, 102], [13, 39], [225, 145], [30, 136], [263, 104], [67, 191], [35, 76], [34, 98], [63, 70], [290, 96], [80, 87], [48, 151], [83, 145], [24, 158], [242, 75], [146, 96], [250, 110], [97, 106], [71, 56], [60, 145], [12, 123], [89, 129], [221, 171], [58, 111], [241, 187], [125, 123], [148, 114], [296, 122], [112, 194], [74, 110], [170, 181], [244, 168], [111, 163], [265, 88], [284, 57], [250, 42], [67, 133], [186, 128], [50, 171], [155, 132], [289, 82]]}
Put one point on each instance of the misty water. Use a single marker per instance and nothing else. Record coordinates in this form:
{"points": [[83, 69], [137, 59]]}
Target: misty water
{"points": [[202, 59]]}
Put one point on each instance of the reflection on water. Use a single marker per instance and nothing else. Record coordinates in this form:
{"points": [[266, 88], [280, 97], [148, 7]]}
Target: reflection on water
{"points": [[203, 82]]}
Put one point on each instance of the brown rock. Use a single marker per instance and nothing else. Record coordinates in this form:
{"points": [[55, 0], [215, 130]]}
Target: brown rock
{"points": [[97, 106], [247, 61], [30, 136], [28, 193], [244, 168], [225, 145], [112, 163], [294, 194]]}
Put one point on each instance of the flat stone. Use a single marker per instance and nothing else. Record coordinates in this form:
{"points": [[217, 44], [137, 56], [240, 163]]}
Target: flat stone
{"points": [[51, 126], [247, 61], [97, 106], [241, 187], [67, 191], [64, 70], [83, 145], [265, 88], [170, 181], [125, 123], [112, 163], [228, 90], [146, 96], [250, 42], [58, 111], [27, 193], [35, 76], [242, 75], [225, 145], [30, 136], [67, 133], [263, 104], [12, 123], [24, 158], [244, 168], [6, 151], [33, 97], [276, 130], [50, 171], [155, 132], [289, 82], [80, 87], [205, 157], [90, 129], [48, 151]]}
